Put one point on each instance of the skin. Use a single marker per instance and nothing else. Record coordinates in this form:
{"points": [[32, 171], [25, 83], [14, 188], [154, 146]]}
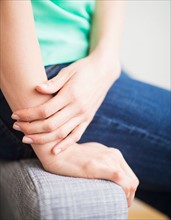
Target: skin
{"points": [[81, 80], [64, 118], [22, 70]]}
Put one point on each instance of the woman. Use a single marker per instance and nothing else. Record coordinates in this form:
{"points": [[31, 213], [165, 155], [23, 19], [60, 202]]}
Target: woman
{"points": [[87, 98]]}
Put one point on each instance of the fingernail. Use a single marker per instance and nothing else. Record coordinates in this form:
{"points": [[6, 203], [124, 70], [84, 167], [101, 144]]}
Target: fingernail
{"points": [[16, 127], [15, 117], [57, 150], [27, 140], [44, 86]]}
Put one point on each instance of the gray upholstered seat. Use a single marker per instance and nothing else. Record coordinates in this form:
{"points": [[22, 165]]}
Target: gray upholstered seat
{"points": [[29, 192]]}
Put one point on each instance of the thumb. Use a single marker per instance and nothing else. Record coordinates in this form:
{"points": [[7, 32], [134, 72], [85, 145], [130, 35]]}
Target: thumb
{"points": [[55, 84]]}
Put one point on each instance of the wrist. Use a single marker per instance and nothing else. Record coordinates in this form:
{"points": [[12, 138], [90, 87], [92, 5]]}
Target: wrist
{"points": [[108, 61], [52, 162], [44, 152], [47, 157]]}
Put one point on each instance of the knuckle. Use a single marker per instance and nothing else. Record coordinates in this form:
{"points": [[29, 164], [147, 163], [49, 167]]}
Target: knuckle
{"points": [[133, 188], [88, 167], [116, 174], [61, 134], [82, 108], [116, 152], [126, 188], [73, 94], [44, 112], [90, 164], [137, 182], [50, 127]]}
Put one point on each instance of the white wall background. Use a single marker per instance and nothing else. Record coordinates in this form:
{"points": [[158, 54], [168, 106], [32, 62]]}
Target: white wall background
{"points": [[145, 49]]}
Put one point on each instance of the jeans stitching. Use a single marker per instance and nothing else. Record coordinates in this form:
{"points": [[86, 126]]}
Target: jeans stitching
{"points": [[135, 130]]}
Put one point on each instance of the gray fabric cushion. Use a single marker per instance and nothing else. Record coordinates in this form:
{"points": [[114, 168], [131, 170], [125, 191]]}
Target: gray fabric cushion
{"points": [[32, 193]]}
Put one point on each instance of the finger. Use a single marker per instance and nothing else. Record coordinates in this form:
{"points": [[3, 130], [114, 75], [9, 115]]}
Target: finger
{"points": [[131, 199], [131, 192], [114, 172], [50, 124], [42, 111], [55, 84], [125, 183], [128, 181], [134, 182], [117, 174], [117, 156], [57, 135], [128, 185], [71, 139], [130, 173]]}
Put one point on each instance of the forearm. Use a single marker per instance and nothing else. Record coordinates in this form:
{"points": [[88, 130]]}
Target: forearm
{"points": [[107, 28], [21, 64]]}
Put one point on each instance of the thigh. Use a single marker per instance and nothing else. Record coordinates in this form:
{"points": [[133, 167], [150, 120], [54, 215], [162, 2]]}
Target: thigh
{"points": [[135, 118]]}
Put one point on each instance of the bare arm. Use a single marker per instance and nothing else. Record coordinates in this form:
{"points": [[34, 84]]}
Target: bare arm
{"points": [[21, 70], [21, 63], [104, 50], [107, 28]]}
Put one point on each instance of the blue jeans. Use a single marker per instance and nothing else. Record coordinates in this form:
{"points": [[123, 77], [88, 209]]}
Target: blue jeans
{"points": [[135, 117]]}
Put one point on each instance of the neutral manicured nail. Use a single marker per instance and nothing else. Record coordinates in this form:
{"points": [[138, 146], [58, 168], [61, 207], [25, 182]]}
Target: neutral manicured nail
{"points": [[57, 150], [44, 86], [16, 127], [15, 117], [27, 140]]}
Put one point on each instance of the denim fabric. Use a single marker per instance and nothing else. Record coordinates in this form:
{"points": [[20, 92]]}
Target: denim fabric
{"points": [[135, 117]]}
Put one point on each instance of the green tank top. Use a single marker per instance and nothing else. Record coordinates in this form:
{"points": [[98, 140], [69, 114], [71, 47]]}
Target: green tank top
{"points": [[63, 28]]}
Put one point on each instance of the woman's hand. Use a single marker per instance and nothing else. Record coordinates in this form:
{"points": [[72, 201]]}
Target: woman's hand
{"points": [[81, 88], [93, 160]]}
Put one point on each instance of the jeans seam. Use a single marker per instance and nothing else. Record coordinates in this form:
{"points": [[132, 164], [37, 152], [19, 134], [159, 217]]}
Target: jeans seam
{"points": [[133, 129]]}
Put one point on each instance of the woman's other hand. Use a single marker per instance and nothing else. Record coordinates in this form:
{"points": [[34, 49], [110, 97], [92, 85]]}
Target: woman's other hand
{"points": [[81, 88], [94, 160]]}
